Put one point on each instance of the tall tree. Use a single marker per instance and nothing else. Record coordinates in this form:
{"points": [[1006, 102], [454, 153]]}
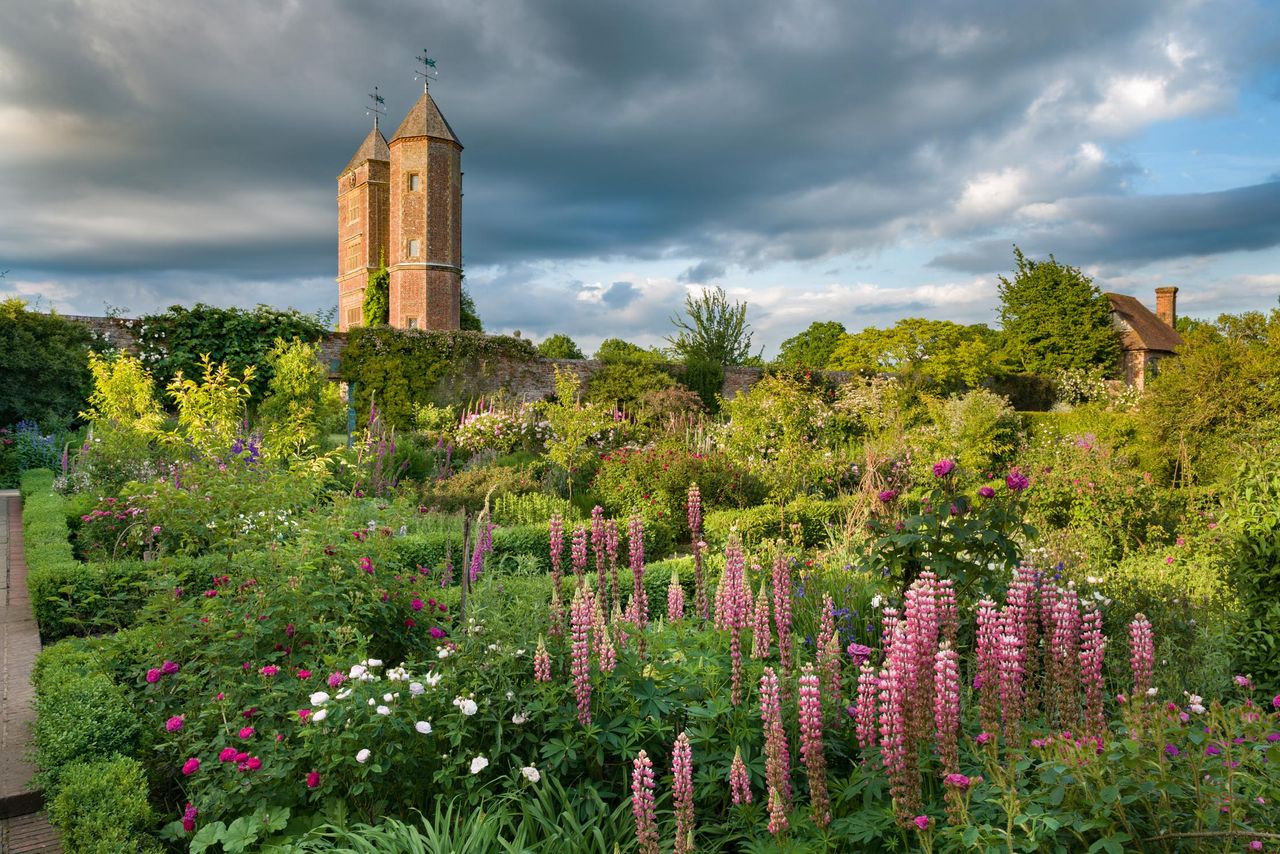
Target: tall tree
{"points": [[712, 329], [560, 346], [1054, 317], [812, 348], [468, 318], [950, 354], [44, 366], [377, 298]]}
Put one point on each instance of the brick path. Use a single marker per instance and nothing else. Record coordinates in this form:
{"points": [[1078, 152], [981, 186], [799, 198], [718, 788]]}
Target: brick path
{"points": [[22, 827]]}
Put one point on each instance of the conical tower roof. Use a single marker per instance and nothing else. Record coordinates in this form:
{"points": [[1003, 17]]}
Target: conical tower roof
{"points": [[374, 147], [425, 119]]}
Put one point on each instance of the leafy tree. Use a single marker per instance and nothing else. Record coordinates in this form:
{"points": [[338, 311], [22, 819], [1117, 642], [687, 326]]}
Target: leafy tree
{"points": [[617, 350], [1054, 317], [468, 318], [622, 384], [180, 338], [299, 399], [559, 346], [572, 425], [377, 298], [44, 366], [951, 355], [812, 348], [712, 329], [1204, 410]]}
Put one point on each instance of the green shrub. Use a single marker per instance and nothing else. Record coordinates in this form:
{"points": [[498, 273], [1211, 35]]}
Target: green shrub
{"points": [[1254, 519], [79, 718], [530, 508], [769, 521], [468, 489], [102, 807]]}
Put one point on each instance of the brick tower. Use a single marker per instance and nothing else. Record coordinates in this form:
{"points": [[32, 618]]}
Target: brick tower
{"points": [[425, 242], [363, 223]]}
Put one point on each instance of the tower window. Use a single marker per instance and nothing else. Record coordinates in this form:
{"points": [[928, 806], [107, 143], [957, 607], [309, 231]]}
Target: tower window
{"points": [[413, 323], [415, 247], [415, 182]]}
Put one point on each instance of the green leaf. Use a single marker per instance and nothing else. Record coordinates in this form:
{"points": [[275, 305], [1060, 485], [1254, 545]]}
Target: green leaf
{"points": [[206, 836]]}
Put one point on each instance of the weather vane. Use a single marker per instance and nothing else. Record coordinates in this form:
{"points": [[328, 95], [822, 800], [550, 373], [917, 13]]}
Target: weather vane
{"points": [[428, 72], [376, 106]]}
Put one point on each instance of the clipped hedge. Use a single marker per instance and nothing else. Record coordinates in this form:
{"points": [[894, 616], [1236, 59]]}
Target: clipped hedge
{"points": [[768, 521], [102, 807], [52, 570], [81, 715]]}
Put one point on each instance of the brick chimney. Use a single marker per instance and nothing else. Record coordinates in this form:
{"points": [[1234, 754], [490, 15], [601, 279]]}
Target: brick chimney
{"points": [[1167, 304]]}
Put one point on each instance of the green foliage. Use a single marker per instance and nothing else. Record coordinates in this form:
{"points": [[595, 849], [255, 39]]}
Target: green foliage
{"points": [[781, 429], [102, 807], [212, 410], [704, 377], [300, 400], [812, 349], [468, 489], [949, 355], [79, 718], [559, 346], [180, 338], [712, 329], [533, 508], [1254, 523], [468, 317], [808, 520], [572, 425], [1216, 401], [1054, 317], [978, 429], [622, 385], [405, 368], [613, 350], [376, 308], [44, 370]]}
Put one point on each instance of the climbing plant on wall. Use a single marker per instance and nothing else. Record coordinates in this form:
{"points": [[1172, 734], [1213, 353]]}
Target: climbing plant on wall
{"points": [[407, 367]]}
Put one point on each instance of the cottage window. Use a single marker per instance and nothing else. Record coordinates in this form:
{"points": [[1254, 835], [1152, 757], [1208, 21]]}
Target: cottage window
{"points": [[414, 182], [415, 247]]}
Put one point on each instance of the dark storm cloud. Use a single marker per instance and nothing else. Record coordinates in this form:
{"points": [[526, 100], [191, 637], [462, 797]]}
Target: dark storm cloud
{"points": [[1140, 229], [201, 140], [703, 272], [620, 295]]}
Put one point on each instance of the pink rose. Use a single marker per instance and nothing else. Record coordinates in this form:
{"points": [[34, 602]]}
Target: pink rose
{"points": [[191, 766]]}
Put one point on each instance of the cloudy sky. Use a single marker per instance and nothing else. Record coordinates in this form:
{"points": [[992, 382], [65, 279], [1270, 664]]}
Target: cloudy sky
{"points": [[822, 159]]}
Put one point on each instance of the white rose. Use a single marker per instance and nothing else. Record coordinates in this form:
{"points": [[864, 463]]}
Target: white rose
{"points": [[468, 707], [343, 694], [531, 774], [382, 710], [319, 698], [519, 718], [416, 689], [374, 662], [320, 715], [442, 652], [363, 756], [423, 727], [479, 764], [388, 697], [433, 678], [357, 671]]}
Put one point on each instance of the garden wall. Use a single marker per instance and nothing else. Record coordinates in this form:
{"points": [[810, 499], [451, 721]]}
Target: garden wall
{"points": [[521, 379]]}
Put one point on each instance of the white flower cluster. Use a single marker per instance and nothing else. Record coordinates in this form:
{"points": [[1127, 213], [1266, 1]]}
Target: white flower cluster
{"points": [[466, 705]]}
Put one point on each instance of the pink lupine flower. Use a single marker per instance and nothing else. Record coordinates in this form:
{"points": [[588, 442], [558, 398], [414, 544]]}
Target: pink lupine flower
{"points": [[1142, 654], [606, 654], [828, 643], [189, 814], [578, 553], [635, 552], [897, 745], [597, 548], [611, 552], [761, 637], [946, 707], [580, 626], [865, 710], [1093, 645], [815, 762], [987, 678], [175, 723], [675, 597], [1011, 690], [313, 779], [190, 767], [682, 793], [781, 572], [541, 663], [777, 757], [556, 617], [739, 779], [642, 804], [694, 506]]}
